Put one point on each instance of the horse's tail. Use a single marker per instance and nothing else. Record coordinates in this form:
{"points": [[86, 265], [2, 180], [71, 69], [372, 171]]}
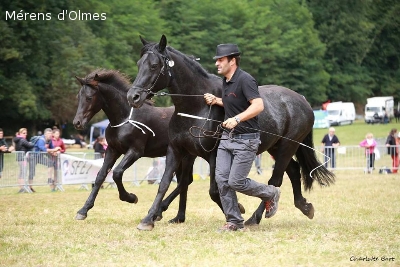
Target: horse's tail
{"points": [[308, 162]]}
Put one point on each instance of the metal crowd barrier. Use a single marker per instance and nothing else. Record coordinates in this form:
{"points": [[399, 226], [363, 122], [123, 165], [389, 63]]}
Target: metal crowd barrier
{"points": [[32, 169]]}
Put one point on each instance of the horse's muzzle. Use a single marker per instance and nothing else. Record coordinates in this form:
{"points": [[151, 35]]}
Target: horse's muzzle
{"points": [[135, 98], [78, 124]]}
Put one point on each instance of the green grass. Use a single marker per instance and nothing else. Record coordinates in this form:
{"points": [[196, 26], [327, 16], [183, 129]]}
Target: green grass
{"points": [[358, 216]]}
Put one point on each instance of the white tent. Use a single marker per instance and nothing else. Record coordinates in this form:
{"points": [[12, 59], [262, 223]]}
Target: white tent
{"points": [[102, 125]]}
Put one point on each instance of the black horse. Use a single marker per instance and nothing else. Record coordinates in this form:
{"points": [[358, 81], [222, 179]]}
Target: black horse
{"points": [[286, 121], [126, 134]]}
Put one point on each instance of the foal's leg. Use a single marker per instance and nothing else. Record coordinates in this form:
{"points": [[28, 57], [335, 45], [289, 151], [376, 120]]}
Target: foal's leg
{"points": [[174, 158], [109, 160], [130, 157]]}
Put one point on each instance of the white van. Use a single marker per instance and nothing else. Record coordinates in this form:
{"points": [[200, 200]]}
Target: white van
{"points": [[340, 113]]}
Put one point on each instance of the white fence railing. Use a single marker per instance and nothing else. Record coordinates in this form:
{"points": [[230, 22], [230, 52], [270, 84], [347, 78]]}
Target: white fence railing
{"points": [[40, 169]]}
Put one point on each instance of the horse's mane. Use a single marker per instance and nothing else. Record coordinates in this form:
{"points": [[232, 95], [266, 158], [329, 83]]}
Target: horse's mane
{"points": [[113, 77], [190, 61]]}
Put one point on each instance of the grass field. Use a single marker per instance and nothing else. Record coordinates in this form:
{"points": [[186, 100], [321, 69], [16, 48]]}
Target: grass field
{"points": [[356, 223], [358, 217]]}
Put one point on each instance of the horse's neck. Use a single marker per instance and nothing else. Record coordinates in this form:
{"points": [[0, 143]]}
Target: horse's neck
{"points": [[190, 80], [115, 105]]}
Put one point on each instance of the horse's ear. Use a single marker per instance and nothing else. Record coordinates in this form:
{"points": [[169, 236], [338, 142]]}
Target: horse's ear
{"points": [[144, 42], [96, 77], [163, 44], [80, 80]]}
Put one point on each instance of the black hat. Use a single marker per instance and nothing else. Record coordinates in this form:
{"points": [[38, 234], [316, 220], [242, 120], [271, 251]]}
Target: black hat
{"points": [[224, 50]]}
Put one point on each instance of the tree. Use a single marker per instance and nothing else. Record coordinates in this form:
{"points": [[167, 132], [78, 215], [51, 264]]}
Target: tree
{"points": [[362, 53], [278, 41]]}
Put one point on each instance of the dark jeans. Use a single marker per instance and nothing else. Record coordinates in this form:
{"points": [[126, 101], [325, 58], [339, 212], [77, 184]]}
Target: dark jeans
{"points": [[234, 160], [330, 152], [370, 160]]}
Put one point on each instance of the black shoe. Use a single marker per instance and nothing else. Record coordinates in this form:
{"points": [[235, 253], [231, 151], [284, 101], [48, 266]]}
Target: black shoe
{"points": [[33, 190], [21, 191]]}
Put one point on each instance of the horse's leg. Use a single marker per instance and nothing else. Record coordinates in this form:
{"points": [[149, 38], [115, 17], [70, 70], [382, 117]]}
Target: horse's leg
{"points": [[130, 157], [109, 160], [173, 160], [186, 179], [293, 171], [177, 191], [213, 191], [168, 200]]}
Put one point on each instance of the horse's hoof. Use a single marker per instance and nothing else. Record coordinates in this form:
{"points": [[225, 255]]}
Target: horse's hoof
{"points": [[241, 208], [80, 217], [145, 226], [158, 218], [251, 221], [176, 220], [311, 211], [306, 208]]}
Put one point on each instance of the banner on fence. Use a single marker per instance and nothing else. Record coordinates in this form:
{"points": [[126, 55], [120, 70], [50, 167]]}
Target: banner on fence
{"points": [[76, 170]]}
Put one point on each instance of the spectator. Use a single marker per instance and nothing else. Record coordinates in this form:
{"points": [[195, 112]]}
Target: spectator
{"points": [[22, 146], [79, 140], [44, 144], [98, 147], [57, 142], [369, 143], [385, 118], [329, 143], [392, 149], [3, 149], [398, 149]]}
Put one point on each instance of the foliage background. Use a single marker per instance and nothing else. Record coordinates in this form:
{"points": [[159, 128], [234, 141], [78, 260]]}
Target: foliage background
{"points": [[337, 50]]}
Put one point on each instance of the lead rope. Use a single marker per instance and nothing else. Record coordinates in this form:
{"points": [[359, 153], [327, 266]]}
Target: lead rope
{"points": [[135, 124], [207, 133], [214, 133]]}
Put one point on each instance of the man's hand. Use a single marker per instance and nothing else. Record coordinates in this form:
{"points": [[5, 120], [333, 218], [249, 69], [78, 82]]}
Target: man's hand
{"points": [[230, 123], [210, 99]]}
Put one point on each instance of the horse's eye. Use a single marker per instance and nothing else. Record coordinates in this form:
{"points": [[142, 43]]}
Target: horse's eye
{"points": [[89, 99], [153, 67]]}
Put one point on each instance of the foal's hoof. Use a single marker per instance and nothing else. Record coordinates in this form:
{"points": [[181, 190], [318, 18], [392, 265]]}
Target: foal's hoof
{"points": [[80, 217], [241, 208], [130, 198], [306, 208], [145, 226]]}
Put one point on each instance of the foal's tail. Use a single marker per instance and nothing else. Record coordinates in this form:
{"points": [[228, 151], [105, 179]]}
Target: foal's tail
{"points": [[308, 162]]}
